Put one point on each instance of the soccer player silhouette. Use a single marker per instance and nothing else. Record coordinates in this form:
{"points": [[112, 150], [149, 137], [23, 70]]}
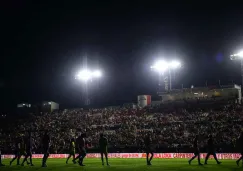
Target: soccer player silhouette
{"points": [[28, 143], [17, 150], [103, 142], [1, 164], [240, 146], [71, 150], [211, 150], [196, 151], [148, 149], [46, 146], [81, 148]]}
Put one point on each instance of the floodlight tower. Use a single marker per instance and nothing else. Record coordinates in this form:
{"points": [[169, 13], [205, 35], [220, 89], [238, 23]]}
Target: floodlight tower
{"points": [[173, 65], [86, 77], [164, 69], [239, 57], [161, 67]]}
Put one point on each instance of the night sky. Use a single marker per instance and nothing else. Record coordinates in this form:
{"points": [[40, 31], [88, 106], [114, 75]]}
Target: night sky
{"points": [[43, 45]]}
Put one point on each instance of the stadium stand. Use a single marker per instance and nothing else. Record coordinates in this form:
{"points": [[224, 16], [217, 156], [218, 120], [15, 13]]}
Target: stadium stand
{"points": [[173, 126]]}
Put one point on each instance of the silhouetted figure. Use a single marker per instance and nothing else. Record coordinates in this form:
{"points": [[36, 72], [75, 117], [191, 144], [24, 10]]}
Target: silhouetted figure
{"points": [[103, 142], [196, 151], [28, 143], [71, 150], [148, 149], [81, 148], [46, 146], [240, 146], [17, 150], [211, 150], [1, 164]]}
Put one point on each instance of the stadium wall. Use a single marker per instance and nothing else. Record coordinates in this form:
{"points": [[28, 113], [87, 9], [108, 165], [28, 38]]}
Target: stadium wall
{"points": [[232, 156]]}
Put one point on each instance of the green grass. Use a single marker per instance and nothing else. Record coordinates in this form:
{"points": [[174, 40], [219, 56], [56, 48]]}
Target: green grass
{"points": [[126, 165]]}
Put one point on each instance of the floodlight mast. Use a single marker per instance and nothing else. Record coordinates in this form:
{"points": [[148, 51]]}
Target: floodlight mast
{"points": [[86, 94], [239, 56], [87, 76], [162, 67]]}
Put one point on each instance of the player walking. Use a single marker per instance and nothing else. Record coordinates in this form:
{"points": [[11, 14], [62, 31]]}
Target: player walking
{"points": [[46, 145], [81, 149], [28, 142], [17, 151], [71, 150], [147, 143], [1, 164], [211, 150], [103, 149], [240, 145], [196, 151]]}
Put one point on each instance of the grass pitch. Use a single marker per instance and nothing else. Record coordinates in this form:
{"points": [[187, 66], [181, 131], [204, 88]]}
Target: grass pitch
{"points": [[125, 165]]}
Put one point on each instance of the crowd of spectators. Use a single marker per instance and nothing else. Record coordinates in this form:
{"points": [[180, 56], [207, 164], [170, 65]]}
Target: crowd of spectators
{"points": [[171, 126]]}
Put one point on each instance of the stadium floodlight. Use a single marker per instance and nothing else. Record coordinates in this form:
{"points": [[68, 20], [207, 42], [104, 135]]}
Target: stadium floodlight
{"points": [[175, 64], [237, 56], [86, 75], [164, 69], [160, 66], [97, 73]]}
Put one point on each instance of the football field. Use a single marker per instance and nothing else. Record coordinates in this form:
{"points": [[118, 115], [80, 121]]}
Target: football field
{"points": [[125, 165]]}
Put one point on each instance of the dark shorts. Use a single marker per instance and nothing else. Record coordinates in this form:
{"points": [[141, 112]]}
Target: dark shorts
{"points": [[46, 149], [29, 152], [196, 152], [82, 152], [211, 152], [16, 152], [72, 152], [22, 152], [103, 150], [149, 150]]}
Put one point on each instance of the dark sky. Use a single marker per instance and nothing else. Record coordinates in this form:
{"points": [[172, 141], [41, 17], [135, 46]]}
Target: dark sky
{"points": [[44, 44]]}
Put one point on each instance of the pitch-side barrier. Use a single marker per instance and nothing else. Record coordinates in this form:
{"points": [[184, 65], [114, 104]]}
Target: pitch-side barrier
{"points": [[139, 155]]}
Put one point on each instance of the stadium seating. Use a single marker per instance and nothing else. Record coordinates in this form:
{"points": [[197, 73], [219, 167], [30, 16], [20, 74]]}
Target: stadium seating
{"points": [[173, 127]]}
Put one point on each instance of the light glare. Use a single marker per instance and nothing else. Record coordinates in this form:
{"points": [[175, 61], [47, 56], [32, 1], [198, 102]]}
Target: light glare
{"points": [[97, 74], [175, 64], [84, 75], [162, 66], [240, 54]]}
